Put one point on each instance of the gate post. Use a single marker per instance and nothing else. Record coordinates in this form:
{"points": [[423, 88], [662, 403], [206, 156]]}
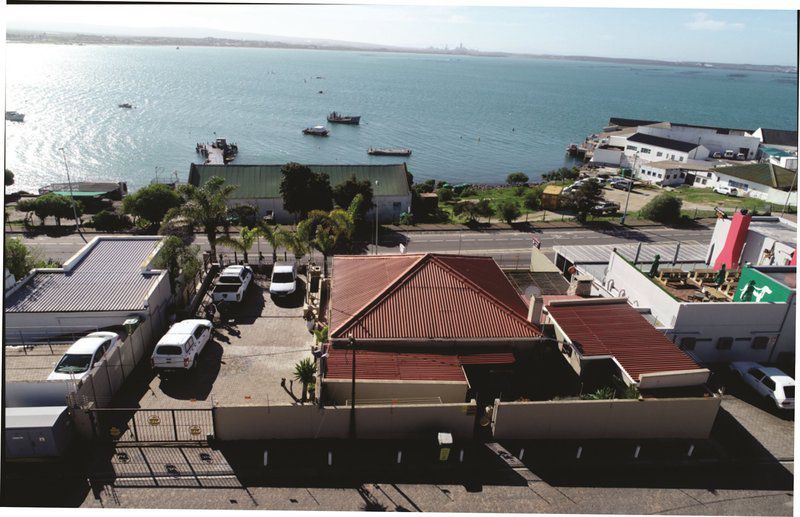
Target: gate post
{"points": [[135, 431], [174, 425]]}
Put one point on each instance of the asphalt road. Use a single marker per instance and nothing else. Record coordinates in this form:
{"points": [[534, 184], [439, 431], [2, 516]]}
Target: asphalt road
{"points": [[507, 247]]}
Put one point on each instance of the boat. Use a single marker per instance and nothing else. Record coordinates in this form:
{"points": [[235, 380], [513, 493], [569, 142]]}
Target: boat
{"points": [[13, 116], [338, 118], [389, 151], [316, 131], [127, 105]]}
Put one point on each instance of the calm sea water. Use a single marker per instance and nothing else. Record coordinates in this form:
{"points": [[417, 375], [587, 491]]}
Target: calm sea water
{"points": [[466, 118]]}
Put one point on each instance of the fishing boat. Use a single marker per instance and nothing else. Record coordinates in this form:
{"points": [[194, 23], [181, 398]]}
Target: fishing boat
{"points": [[13, 116], [389, 151], [126, 105], [316, 131], [338, 118]]}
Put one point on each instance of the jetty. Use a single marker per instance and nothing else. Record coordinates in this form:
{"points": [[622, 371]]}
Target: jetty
{"points": [[218, 152]]}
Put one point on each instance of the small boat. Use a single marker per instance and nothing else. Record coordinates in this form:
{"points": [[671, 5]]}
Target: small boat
{"points": [[389, 151], [338, 118], [316, 131], [13, 116], [126, 105]]}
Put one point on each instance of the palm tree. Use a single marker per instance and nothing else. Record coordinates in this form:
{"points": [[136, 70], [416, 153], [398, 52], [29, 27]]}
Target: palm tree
{"points": [[325, 242], [272, 235], [305, 371], [292, 242], [247, 236], [321, 335], [206, 207]]}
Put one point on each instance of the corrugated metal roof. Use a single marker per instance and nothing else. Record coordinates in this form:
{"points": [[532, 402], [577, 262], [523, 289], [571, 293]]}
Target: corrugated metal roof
{"points": [[404, 366], [666, 143], [264, 181], [553, 189], [601, 254], [108, 277], [763, 173], [618, 330], [425, 297]]}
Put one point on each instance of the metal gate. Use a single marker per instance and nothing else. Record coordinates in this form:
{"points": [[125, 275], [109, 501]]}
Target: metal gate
{"points": [[153, 425]]}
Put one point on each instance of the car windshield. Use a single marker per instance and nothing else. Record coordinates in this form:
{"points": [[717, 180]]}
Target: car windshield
{"points": [[74, 363], [788, 392], [229, 280], [227, 288], [169, 350], [282, 278]]}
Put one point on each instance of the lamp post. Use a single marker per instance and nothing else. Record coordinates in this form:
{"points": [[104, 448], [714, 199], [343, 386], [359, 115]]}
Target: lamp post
{"points": [[376, 219], [630, 187], [71, 195], [352, 343]]}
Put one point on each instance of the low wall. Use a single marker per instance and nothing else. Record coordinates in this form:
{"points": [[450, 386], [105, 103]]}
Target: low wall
{"points": [[597, 419], [339, 391], [375, 422]]}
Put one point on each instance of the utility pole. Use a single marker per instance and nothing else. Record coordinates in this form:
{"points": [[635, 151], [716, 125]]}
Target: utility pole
{"points": [[630, 187], [376, 224], [71, 195], [352, 342], [789, 194]]}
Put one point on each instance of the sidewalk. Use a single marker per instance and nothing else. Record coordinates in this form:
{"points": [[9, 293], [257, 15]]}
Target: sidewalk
{"points": [[546, 225]]}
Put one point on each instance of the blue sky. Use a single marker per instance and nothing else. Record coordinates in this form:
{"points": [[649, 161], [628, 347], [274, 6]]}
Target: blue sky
{"points": [[741, 36]]}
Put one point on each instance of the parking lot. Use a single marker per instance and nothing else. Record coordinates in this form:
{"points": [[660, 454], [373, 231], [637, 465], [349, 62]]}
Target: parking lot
{"points": [[33, 363], [243, 363]]}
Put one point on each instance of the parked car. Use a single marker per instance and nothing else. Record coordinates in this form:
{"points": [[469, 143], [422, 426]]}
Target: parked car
{"points": [[740, 156], [284, 279], [624, 184], [729, 154], [770, 383], [232, 284], [180, 347], [83, 355], [717, 155], [728, 191], [606, 207]]}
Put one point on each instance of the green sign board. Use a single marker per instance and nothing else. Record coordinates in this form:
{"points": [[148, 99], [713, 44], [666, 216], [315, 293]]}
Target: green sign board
{"points": [[755, 286]]}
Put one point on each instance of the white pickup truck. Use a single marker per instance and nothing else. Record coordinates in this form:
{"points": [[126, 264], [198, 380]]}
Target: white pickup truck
{"points": [[232, 284], [180, 347]]}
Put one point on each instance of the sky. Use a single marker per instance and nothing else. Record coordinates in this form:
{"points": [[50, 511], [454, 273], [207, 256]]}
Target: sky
{"points": [[732, 36]]}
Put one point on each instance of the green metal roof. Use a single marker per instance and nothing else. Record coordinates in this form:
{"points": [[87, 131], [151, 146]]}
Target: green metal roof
{"points": [[763, 173], [775, 152], [79, 194], [264, 181]]}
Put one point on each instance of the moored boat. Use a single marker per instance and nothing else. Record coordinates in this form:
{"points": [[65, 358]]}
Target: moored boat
{"points": [[13, 116], [338, 118], [389, 151], [126, 105], [316, 131]]}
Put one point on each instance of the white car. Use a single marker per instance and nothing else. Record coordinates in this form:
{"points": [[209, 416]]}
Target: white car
{"points": [[180, 347], [83, 355], [770, 383], [725, 190], [232, 284], [284, 279]]}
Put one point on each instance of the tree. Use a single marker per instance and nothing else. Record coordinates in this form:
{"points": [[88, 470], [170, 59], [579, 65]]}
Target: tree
{"points": [[323, 231], [272, 235], [664, 208], [292, 242], [9, 178], [52, 204], [305, 371], [508, 211], [247, 236], [483, 208], [244, 215], [344, 193], [321, 335], [151, 203], [445, 194], [357, 211], [304, 190], [206, 207], [585, 198], [517, 178], [533, 199], [20, 259], [105, 221], [178, 259]]}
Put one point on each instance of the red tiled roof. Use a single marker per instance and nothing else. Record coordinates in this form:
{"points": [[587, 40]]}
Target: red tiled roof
{"points": [[425, 297], [618, 330], [405, 366]]}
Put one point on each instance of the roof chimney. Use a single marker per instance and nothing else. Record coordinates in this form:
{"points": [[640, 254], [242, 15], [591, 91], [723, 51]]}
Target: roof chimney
{"points": [[734, 242], [580, 285], [536, 306]]}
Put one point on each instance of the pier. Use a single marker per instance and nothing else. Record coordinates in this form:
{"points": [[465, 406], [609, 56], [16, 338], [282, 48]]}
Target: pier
{"points": [[219, 152]]}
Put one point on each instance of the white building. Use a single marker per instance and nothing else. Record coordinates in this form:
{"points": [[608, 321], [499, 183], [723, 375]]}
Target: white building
{"points": [[259, 186], [643, 147], [777, 138], [716, 140], [768, 241], [763, 181], [108, 281], [669, 173]]}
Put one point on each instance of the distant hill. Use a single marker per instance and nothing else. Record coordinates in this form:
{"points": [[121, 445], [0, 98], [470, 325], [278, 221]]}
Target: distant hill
{"points": [[91, 35]]}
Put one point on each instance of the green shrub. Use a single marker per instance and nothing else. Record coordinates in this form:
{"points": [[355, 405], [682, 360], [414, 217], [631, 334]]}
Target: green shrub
{"points": [[105, 221], [406, 219], [664, 208], [508, 211], [515, 178], [533, 199], [445, 194]]}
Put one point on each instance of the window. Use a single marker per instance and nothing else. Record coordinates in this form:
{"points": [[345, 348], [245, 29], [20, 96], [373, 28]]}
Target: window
{"points": [[645, 150], [199, 331], [724, 343], [696, 179], [704, 181], [687, 343], [659, 153], [759, 342], [683, 175], [769, 383], [680, 158], [630, 147], [659, 175], [755, 372]]}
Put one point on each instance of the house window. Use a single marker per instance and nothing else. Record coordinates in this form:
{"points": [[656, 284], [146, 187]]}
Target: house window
{"points": [[645, 150], [659, 175], [687, 343], [704, 182], [759, 342], [659, 153], [680, 158], [631, 147], [683, 175], [724, 343], [696, 179]]}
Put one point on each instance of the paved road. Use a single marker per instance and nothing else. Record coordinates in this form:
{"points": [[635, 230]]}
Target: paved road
{"points": [[507, 247]]}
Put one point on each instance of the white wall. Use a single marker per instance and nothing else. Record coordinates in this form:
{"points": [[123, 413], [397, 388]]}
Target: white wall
{"points": [[754, 247], [388, 212], [624, 280], [606, 157], [708, 138], [661, 176]]}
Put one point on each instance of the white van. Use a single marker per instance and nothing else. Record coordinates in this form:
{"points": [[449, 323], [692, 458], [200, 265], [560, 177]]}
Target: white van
{"points": [[180, 347], [729, 154]]}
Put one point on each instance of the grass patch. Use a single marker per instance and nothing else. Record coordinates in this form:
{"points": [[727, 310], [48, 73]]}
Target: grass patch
{"points": [[497, 194], [711, 198]]}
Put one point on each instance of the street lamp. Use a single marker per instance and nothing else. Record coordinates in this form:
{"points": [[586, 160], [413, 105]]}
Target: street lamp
{"points": [[352, 343], [376, 218], [71, 195], [630, 187]]}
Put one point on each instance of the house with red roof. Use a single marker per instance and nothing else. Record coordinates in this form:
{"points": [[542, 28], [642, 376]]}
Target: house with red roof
{"points": [[409, 328]]}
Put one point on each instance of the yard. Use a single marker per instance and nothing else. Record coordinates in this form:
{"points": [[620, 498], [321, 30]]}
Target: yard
{"points": [[708, 199]]}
